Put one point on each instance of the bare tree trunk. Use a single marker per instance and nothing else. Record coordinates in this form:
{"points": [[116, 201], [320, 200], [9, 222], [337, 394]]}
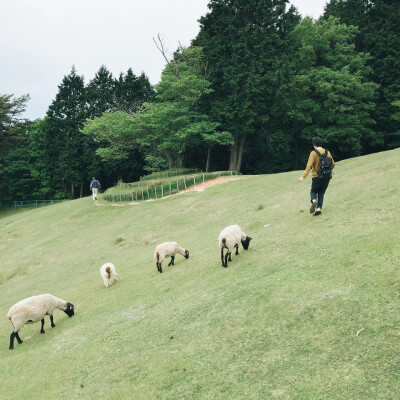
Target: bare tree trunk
{"points": [[72, 191], [208, 158], [81, 191], [181, 156], [169, 159], [240, 156], [234, 154]]}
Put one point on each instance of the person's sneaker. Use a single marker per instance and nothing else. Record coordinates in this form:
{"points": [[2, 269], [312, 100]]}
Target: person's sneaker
{"points": [[318, 213], [313, 207]]}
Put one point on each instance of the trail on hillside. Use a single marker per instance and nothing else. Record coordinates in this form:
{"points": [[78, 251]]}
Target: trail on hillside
{"points": [[198, 188]]}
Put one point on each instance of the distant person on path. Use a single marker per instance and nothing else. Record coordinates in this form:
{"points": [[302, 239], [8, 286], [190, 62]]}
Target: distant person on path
{"points": [[94, 187], [319, 182]]}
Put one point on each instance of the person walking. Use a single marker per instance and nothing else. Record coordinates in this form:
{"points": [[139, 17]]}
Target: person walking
{"points": [[94, 187], [319, 181]]}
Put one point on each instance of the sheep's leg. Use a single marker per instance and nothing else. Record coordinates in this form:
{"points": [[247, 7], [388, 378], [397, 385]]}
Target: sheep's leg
{"points": [[222, 257], [237, 250], [52, 322], [12, 336], [226, 259], [172, 261], [42, 330], [18, 338], [160, 269]]}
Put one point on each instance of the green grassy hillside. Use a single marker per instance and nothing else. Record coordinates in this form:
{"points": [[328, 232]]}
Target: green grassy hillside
{"points": [[281, 322]]}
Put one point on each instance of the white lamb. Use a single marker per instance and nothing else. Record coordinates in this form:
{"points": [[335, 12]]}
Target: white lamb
{"points": [[168, 249], [33, 309], [231, 237], [108, 273]]}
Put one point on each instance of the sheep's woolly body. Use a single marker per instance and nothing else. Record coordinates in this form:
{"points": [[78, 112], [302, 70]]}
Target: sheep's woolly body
{"points": [[108, 273], [233, 236], [229, 238], [168, 249], [33, 309]]}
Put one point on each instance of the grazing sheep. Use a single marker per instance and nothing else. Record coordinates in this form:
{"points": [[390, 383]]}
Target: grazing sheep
{"points": [[229, 238], [33, 309], [108, 273], [168, 249]]}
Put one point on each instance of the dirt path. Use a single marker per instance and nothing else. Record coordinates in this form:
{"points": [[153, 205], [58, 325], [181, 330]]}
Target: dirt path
{"points": [[198, 188], [212, 182]]}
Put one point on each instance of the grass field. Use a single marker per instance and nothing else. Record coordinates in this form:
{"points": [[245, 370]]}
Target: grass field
{"points": [[310, 311]]}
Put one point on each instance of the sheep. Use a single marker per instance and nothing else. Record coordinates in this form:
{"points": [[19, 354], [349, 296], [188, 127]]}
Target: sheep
{"points": [[229, 238], [33, 309], [108, 273], [168, 249]]}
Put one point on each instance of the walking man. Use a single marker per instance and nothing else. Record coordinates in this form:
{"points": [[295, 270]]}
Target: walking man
{"points": [[94, 187], [320, 179]]}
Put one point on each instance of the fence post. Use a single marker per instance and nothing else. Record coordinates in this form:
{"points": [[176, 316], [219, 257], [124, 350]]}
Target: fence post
{"points": [[177, 186], [148, 194], [155, 191], [184, 182], [203, 178], [162, 191], [170, 188]]}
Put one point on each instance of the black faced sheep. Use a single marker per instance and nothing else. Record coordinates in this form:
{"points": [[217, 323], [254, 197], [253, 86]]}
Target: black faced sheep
{"points": [[168, 249], [231, 237], [33, 309]]}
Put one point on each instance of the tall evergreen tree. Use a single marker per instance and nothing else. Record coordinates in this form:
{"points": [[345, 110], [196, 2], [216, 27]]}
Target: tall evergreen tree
{"points": [[11, 121], [70, 151], [243, 41], [132, 91], [100, 93]]}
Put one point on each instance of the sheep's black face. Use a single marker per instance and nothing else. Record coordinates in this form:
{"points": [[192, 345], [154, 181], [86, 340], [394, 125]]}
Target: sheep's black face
{"points": [[186, 254], [246, 242], [69, 310]]}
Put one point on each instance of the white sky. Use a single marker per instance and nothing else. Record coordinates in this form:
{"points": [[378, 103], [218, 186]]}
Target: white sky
{"points": [[40, 40]]}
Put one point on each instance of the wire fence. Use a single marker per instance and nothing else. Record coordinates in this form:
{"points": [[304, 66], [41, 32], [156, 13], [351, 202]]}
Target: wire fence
{"points": [[166, 189], [27, 203]]}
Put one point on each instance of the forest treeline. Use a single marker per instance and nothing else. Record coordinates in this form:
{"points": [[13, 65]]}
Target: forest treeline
{"points": [[249, 93]]}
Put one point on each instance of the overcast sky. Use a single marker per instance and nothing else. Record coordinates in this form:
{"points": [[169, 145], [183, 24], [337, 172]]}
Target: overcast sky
{"points": [[40, 40]]}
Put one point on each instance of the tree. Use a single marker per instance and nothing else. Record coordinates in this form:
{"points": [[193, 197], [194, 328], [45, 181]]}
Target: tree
{"points": [[379, 35], [329, 93], [166, 127], [11, 122], [243, 41], [132, 91], [184, 83], [70, 151], [100, 93]]}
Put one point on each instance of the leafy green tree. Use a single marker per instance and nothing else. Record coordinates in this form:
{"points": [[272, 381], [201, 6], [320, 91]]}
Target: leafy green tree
{"points": [[329, 93], [165, 128], [119, 154], [379, 35], [243, 41]]}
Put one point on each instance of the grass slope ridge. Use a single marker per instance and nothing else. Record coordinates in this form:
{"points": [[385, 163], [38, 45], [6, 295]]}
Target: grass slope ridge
{"points": [[280, 322]]}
